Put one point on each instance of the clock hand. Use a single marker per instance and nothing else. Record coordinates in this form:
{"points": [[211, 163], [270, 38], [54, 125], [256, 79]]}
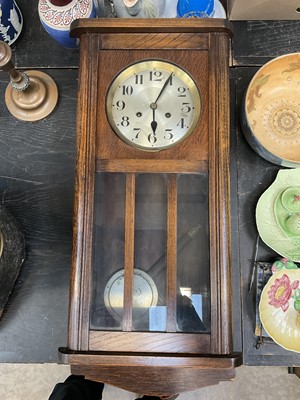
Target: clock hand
{"points": [[153, 123], [153, 105], [163, 88]]}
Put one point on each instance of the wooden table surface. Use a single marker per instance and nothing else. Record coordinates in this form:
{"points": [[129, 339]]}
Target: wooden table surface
{"points": [[37, 185]]}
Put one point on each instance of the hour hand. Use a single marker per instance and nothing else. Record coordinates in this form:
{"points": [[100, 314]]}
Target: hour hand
{"points": [[153, 123], [154, 126]]}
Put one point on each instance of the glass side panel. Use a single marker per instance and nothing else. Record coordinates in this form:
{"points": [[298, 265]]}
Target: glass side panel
{"points": [[149, 285], [108, 252], [193, 272]]}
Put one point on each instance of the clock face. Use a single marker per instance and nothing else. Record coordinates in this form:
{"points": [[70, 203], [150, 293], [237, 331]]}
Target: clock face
{"points": [[153, 105]]}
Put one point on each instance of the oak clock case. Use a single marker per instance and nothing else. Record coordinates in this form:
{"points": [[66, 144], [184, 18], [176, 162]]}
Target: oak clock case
{"points": [[150, 292]]}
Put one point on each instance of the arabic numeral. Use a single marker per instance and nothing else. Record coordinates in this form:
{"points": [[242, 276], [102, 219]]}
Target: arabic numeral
{"points": [[139, 79], [155, 75], [120, 104], [137, 131], [181, 123], [127, 90], [152, 138], [125, 121], [181, 91], [186, 108], [168, 134]]}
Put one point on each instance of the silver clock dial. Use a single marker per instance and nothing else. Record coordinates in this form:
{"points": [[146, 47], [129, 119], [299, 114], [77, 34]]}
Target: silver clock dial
{"points": [[153, 105]]}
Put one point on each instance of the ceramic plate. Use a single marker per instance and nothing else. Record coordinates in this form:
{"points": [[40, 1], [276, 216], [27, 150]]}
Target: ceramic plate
{"points": [[271, 111], [277, 310], [273, 218]]}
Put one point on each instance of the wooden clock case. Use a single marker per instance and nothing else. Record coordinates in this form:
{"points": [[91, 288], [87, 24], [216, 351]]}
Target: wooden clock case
{"points": [[153, 363]]}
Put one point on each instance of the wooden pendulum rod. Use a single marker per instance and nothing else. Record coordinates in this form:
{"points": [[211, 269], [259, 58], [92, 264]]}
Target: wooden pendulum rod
{"points": [[171, 287], [129, 251]]}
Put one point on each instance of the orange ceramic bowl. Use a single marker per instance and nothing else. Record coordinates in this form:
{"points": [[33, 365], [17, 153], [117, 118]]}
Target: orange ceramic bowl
{"points": [[271, 111]]}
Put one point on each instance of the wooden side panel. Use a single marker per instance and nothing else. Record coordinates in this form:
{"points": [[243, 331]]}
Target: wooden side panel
{"points": [[220, 246], [84, 199]]}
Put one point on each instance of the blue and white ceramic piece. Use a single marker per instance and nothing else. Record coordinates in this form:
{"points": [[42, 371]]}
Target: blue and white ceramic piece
{"points": [[195, 8], [57, 19], [171, 10], [11, 21]]}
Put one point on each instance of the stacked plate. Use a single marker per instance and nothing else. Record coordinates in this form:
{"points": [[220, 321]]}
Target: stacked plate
{"points": [[271, 111], [278, 224]]}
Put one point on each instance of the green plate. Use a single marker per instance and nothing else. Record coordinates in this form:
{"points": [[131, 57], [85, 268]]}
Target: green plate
{"points": [[274, 209]]}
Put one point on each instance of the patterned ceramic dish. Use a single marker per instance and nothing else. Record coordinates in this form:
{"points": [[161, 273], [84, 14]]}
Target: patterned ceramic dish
{"points": [[277, 214], [279, 308], [271, 111]]}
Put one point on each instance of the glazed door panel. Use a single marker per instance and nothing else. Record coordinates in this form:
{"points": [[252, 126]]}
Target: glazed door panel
{"points": [[160, 281]]}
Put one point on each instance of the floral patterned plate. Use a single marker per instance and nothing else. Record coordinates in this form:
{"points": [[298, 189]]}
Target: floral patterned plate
{"points": [[279, 308]]}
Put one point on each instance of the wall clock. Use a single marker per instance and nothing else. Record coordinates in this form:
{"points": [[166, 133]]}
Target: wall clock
{"points": [[150, 296]]}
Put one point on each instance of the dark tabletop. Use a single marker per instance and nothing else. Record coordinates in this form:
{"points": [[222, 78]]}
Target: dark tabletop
{"points": [[37, 186]]}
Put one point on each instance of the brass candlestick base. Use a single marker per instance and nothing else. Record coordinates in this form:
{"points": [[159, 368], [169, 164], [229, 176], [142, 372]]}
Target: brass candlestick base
{"points": [[31, 95], [37, 101]]}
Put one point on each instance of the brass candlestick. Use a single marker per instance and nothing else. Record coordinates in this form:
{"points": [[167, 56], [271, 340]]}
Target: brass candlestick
{"points": [[31, 95]]}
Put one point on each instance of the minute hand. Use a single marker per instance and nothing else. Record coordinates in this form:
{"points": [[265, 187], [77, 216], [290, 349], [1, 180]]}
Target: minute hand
{"points": [[163, 88]]}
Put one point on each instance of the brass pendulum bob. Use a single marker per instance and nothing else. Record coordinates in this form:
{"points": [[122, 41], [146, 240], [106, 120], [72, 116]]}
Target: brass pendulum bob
{"points": [[31, 95]]}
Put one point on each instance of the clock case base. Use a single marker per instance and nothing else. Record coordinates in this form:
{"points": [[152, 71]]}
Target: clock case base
{"points": [[153, 375], [150, 372]]}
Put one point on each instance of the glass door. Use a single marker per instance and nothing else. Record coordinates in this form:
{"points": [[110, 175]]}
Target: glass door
{"points": [[151, 253]]}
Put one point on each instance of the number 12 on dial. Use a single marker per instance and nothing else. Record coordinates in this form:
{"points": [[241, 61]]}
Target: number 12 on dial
{"points": [[153, 105]]}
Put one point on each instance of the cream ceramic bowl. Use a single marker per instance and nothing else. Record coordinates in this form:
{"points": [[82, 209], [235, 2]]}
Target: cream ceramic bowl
{"points": [[271, 111]]}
